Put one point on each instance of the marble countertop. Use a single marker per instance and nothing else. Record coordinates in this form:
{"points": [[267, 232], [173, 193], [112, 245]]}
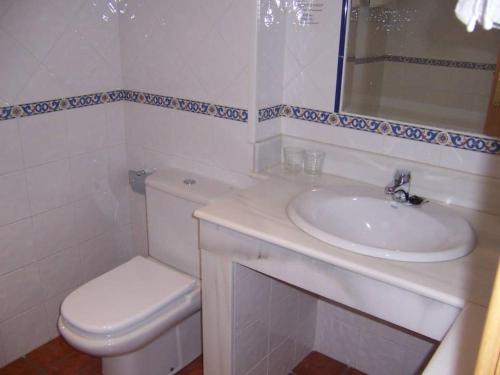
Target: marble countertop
{"points": [[466, 283], [260, 211]]}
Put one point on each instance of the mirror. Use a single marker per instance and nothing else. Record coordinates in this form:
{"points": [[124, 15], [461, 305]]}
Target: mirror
{"points": [[413, 61]]}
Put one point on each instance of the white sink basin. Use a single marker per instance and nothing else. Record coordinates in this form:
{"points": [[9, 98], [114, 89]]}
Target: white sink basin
{"points": [[365, 221]]}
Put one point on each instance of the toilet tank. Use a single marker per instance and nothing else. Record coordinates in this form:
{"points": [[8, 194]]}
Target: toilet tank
{"points": [[172, 196]]}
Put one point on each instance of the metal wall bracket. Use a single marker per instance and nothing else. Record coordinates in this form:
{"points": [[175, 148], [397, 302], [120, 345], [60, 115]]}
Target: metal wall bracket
{"points": [[137, 180]]}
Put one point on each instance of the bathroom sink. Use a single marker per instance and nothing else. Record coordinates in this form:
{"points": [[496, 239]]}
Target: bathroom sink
{"points": [[365, 221]]}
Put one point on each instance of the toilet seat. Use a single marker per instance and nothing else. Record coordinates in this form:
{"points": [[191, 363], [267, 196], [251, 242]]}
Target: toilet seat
{"points": [[127, 307]]}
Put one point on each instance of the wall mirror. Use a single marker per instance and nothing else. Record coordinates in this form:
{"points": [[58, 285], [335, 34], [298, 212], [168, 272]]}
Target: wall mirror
{"points": [[413, 61]]}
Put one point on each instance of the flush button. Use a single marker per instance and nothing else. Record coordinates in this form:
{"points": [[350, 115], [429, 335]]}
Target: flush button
{"points": [[189, 181]]}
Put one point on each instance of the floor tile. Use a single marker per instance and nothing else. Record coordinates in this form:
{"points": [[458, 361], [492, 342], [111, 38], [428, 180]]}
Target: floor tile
{"points": [[353, 371], [75, 364], [316, 363], [58, 358], [51, 352], [19, 367], [194, 368]]}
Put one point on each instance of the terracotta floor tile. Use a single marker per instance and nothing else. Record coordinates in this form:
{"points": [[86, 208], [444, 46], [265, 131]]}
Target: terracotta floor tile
{"points": [[319, 364], [194, 368], [353, 371], [58, 358], [19, 367], [51, 352], [95, 369], [76, 364]]}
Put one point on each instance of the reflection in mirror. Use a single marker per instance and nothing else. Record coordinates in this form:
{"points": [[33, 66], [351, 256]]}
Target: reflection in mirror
{"points": [[413, 61]]}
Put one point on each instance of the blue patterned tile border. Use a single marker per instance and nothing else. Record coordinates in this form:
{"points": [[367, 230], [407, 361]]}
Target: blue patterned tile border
{"points": [[193, 106], [442, 62], [393, 129], [416, 133], [270, 113], [367, 59], [424, 61], [312, 115], [60, 104]]}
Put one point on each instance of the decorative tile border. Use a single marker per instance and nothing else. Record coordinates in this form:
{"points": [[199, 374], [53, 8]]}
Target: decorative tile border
{"points": [[55, 105], [423, 61], [416, 133], [193, 106], [270, 113], [393, 129], [60, 104], [311, 115], [366, 60]]}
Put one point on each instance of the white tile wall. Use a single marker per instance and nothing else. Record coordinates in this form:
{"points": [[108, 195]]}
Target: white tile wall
{"points": [[283, 310], [52, 306], [189, 49], [88, 174], [270, 57], [16, 245], [274, 324], [2, 355], [11, 152], [170, 138], [106, 251], [281, 359], [192, 50], [250, 347], [260, 368], [35, 24], [60, 272], [367, 344], [336, 338], [44, 138], [57, 49], [21, 65], [310, 65], [60, 173], [87, 131], [21, 290], [54, 230], [24, 332], [252, 305], [14, 203], [49, 185], [62, 222]]}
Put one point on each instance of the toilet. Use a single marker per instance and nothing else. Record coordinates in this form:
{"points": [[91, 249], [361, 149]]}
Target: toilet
{"points": [[143, 317]]}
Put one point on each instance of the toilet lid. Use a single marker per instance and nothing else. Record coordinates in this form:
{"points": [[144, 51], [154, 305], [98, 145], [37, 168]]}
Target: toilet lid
{"points": [[125, 296]]}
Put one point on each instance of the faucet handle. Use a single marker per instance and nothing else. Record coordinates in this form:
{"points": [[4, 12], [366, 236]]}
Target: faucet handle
{"points": [[402, 176]]}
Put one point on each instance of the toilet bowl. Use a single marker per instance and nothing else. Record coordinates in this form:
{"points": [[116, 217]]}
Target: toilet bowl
{"points": [[143, 317]]}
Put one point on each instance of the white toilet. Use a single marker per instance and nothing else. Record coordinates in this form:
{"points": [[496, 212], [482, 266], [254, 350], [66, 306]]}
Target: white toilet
{"points": [[143, 317]]}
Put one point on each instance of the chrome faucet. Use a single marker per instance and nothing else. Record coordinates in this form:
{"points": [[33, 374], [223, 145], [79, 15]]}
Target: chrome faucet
{"points": [[399, 189]]}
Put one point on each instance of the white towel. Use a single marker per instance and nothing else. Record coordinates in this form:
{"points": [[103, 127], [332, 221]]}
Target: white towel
{"points": [[485, 12]]}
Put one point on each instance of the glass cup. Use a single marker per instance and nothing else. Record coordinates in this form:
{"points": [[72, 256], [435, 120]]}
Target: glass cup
{"points": [[313, 162], [294, 159]]}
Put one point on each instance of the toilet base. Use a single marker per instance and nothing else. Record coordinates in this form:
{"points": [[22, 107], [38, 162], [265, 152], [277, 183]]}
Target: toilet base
{"points": [[167, 354]]}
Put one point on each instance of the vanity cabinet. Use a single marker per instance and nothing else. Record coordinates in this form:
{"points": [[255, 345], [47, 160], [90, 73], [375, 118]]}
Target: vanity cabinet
{"points": [[249, 248]]}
